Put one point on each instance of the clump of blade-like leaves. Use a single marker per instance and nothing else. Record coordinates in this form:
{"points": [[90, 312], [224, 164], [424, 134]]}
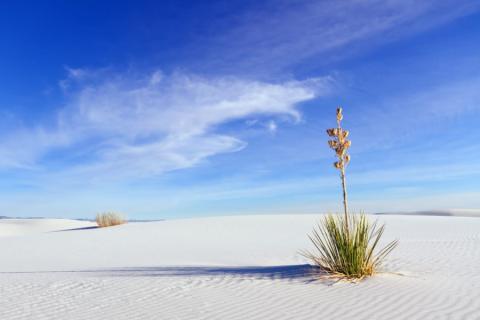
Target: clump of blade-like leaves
{"points": [[348, 250]]}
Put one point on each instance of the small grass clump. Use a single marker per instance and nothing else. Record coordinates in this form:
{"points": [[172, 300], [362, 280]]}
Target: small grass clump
{"points": [[109, 219], [350, 252]]}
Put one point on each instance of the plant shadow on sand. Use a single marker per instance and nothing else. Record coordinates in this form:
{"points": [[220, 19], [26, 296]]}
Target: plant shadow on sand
{"points": [[299, 273], [77, 229]]}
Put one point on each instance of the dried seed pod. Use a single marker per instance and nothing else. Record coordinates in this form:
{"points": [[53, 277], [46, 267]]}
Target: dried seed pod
{"points": [[347, 144], [337, 165], [345, 133], [331, 132], [347, 158], [339, 114], [339, 151], [333, 144]]}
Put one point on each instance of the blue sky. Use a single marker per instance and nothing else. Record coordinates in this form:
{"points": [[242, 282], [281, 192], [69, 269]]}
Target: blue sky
{"points": [[186, 108]]}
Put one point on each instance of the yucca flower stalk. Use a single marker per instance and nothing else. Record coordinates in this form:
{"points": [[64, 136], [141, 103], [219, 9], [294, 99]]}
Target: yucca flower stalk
{"points": [[340, 144]]}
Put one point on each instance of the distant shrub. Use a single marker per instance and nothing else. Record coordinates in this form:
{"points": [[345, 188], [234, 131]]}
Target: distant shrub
{"points": [[109, 219]]}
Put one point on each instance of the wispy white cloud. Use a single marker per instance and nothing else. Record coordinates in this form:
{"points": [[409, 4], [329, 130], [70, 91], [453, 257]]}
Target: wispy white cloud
{"points": [[135, 125], [272, 126], [279, 34]]}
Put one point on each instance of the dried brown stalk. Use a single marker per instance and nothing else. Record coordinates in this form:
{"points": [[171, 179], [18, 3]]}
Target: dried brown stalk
{"points": [[340, 144]]}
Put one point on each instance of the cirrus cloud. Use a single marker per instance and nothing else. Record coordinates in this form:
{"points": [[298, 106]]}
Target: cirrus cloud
{"points": [[131, 125]]}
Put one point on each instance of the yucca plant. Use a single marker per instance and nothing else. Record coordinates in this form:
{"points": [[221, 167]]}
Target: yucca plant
{"points": [[108, 219], [347, 245], [351, 253]]}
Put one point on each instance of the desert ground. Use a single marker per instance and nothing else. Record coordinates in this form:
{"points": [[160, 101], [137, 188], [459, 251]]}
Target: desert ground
{"points": [[239, 267]]}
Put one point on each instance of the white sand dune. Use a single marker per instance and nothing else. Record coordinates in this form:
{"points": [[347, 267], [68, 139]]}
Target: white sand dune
{"points": [[235, 268], [20, 227], [450, 213]]}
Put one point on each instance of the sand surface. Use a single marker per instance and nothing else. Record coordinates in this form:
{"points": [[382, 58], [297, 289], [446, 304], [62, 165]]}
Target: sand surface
{"points": [[19, 227], [230, 268]]}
